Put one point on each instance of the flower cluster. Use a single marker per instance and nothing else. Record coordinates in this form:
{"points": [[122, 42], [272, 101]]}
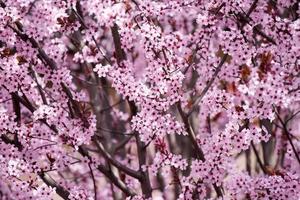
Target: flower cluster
{"points": [[141, 99]]}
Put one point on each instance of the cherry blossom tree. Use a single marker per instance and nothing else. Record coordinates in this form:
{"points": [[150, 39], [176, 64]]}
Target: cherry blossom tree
{"points": [[143, 99]]}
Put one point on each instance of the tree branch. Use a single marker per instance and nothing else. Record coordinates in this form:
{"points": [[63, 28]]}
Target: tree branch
{"points": [[116, 163], [119, 52], [109, 174], [94, 181], [142, 155], [195, 144], [262, 166], [288, 135], [63, 193], [209, 84]]}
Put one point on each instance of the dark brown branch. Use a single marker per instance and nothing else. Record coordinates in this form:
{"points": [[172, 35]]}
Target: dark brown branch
{"points": [[258, 159], [6, 140], [195, 144], [2, 4], [94, 181], [109, 174], [142, 155], [292, 116], [121, 144], [258, 31], [116, 163], [80, 18], [75, 105], [246, 19], [16, 107], [119, 52], [144, 176], [251, 9], [51, 63], [111, 106], [41, 53], [40, 89], [190, 132], [50, 182], [209, 84], [288, 135], [47, 179], [24, 101], [63, 193]]}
